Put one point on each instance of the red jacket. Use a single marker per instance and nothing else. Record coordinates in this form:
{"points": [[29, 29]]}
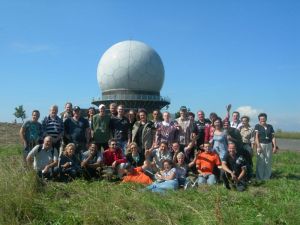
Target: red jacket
{"points": [[110, 156]]}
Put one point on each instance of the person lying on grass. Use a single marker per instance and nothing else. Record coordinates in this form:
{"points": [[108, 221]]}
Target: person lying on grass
{"points": [[166, 178], [135, 175]]}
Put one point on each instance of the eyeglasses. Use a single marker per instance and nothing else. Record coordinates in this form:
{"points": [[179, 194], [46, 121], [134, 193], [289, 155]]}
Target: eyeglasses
{"points": [[113, 144]]}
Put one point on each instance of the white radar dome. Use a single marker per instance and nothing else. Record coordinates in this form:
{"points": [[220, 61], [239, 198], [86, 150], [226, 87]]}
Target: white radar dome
{"points": [[130, 65]]}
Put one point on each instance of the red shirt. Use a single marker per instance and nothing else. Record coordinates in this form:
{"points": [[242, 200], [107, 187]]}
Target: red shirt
{"points": [[110, 156], [206, 161]]}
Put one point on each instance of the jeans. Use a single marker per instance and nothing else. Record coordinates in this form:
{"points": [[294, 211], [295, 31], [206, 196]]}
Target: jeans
{"points": [[161, 187], [209, 179], [123, 146]]}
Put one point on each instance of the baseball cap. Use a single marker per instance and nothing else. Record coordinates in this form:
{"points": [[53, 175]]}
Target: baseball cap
{"points": [[76, 108], [183, 108], [101, 106]]}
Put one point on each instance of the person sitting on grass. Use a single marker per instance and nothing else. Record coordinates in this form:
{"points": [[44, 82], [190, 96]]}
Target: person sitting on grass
{"points": [[166, 178], [113, 156], [69, 165], [157, 156], [206, 162], [135, 175], [91, 162], [234, 167], [133, 156], [182, 169], [44, 158]]}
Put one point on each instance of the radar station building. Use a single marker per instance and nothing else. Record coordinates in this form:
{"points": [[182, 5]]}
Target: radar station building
{"points": [[131, 73]]}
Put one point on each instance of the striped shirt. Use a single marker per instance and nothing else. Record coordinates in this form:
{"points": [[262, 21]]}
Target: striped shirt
{"points": [[53, 126]]}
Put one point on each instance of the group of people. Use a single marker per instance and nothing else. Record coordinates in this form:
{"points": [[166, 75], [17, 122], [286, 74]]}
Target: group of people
{"points": [[159, 152]]}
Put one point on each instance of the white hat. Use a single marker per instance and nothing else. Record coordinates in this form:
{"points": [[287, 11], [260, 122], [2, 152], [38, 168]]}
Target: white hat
{"points": [[101, 106]]}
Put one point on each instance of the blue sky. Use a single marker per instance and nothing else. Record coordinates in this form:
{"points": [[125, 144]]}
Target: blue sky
{"points": [[246, 53]]}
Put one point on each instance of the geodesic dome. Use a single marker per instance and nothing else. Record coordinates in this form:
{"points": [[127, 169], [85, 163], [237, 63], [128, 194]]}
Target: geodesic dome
{"points": [[130, 65]]}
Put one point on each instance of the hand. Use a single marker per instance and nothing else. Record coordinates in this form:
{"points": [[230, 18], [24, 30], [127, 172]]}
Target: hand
{"points": [[233, 176], [258, 150], [114, 164], [228, 107], [275, 149], [45, 170]]}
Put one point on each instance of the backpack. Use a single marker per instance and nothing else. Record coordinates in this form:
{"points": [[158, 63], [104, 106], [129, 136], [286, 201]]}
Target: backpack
{"points": [[52, 150]]}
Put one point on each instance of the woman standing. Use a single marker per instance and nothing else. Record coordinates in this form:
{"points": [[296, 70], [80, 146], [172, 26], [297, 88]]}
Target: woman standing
{"points": [[166, 131], [265, 146], [219, 141]]}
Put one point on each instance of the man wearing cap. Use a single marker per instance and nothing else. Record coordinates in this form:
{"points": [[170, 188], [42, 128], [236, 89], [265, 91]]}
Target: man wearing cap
{"points": [[101, 128], [77, 131]]}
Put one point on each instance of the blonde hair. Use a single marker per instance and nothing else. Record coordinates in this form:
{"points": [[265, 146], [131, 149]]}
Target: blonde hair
{"points": [[128, 150], [180, 154], [69, 146]]}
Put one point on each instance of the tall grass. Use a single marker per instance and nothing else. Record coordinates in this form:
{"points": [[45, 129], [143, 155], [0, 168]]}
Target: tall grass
{"points": [[25, 200]]}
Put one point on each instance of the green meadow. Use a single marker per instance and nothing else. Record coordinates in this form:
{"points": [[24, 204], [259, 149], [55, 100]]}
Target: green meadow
{"points": [[26, 200]]}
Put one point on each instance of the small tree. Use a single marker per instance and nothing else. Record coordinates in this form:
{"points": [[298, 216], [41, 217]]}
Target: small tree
{"points": [[20, 112]]}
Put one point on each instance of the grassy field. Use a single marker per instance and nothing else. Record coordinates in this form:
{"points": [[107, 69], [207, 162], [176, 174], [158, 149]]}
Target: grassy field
{"points": [[25, 200], [287, 135]]}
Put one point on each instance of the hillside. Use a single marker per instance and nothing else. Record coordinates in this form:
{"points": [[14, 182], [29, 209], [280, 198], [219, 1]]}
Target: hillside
{"points": [[9, 133]]}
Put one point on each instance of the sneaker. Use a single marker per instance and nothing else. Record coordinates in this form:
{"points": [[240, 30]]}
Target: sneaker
{"points": [[188, 185]]}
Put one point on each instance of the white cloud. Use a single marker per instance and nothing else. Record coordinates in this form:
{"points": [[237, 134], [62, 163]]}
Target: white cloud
{"points": [[248, 111], [30, 48]]}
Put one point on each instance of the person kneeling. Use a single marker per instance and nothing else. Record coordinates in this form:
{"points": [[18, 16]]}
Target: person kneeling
{"points": [[91, 162], [234, 167], [69, 165], [44, 158]]}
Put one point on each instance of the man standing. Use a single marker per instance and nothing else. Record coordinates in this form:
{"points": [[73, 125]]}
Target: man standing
{"points": [[44, 157], [185, 128], [236, 123], [77, 131], [201, 124], [31, 133], [101, 128], [53, 126], [120, 128]]}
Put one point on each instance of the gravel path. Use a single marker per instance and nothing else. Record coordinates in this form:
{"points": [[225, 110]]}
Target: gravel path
{"points": [[288, 144]]}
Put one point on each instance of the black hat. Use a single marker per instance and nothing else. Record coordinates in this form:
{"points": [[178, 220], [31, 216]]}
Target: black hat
{"points": [[76, 108], [183, 108]]}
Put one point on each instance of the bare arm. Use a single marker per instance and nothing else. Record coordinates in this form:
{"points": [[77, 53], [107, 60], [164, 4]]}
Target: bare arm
{"points": [[22, 136], [242, 174], [274, 144], [226, 169]]}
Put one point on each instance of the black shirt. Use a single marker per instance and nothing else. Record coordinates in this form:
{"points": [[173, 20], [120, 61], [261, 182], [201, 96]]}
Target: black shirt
{"points": [[265, 134], [76, 129], [235, 164]]}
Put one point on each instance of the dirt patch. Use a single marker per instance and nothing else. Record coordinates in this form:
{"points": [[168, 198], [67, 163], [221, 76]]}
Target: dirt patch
{"points": [[9, 133]]}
